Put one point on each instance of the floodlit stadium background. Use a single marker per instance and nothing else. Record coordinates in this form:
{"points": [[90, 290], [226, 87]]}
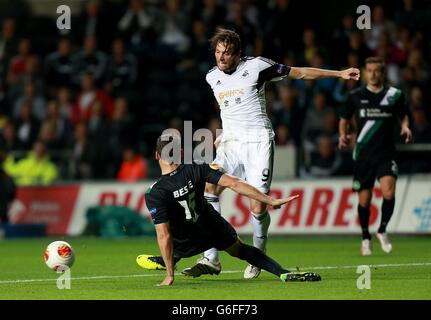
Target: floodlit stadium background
{"points": [[113, 83], [145, 75]]}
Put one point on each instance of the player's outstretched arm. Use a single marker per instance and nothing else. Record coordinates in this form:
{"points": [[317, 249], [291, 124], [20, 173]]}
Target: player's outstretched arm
{"points": [[314, 73], [164, 239], [245, 189]]}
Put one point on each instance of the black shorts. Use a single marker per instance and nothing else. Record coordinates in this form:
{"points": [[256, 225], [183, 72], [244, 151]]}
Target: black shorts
{"points": [[210, 231], [366, 172]]}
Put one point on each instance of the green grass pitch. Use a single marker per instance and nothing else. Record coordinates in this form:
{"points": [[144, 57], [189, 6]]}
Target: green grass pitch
{"points": [[106, 269]]}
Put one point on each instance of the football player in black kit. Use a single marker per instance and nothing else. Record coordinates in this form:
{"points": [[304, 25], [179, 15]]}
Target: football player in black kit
{"points": [[186, 224], [377, 108]]}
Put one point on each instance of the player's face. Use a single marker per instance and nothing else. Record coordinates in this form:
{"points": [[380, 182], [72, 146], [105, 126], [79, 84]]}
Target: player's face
{"points": [[225, 59], [375, 74]]}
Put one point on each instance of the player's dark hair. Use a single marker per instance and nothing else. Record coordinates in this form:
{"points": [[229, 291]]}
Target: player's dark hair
{"points": [[376, 60], [162, 141], [165, 139], [229, 38]]}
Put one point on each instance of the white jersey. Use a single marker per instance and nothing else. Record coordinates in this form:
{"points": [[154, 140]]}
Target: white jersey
{"points": [[241, 97]]}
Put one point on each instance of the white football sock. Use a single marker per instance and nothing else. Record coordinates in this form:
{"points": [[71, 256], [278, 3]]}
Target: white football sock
{"points": [[261, 224], [212, 254]]}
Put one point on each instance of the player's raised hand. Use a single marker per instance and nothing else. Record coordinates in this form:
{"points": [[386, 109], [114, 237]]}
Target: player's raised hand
{"points": [[343, 142], [351, 74], [277, 203], [405, 131]]}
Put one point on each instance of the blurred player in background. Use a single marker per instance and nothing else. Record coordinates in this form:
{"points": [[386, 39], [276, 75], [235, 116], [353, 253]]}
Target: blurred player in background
{"points": [[246, 146], [377, 108], [187, 225]]}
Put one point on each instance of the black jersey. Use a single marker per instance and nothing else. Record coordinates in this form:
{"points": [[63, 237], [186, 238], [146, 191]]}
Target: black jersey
{"points": [[178, 197], [376, 115]]}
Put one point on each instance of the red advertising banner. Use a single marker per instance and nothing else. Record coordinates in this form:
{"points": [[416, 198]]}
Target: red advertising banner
{"points": [[53, 206], [324, 206]]}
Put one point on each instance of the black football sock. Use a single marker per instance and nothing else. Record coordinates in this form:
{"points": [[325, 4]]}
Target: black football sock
{"points": [[387, 210], [364, 217], [257, 258]]}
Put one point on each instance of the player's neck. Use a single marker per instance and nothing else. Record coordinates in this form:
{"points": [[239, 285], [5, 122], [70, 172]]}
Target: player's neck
{"points": [[376, 88], [167, 168]]}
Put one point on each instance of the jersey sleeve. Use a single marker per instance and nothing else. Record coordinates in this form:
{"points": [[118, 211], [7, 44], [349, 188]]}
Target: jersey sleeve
{"points": [[270, 70], [211, 173], [156, 205], [209, 76], [207, 79], [348, 110]]}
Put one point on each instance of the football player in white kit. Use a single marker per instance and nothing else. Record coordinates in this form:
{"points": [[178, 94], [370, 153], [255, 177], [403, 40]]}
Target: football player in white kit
{"points": [[246, 146]]}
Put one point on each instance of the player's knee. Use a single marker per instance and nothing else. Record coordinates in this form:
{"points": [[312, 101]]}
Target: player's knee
{"points": [[210, 188], [365, 198], [257, 207], [365, 203], [388, 191], [388, 194], [213, 189]]}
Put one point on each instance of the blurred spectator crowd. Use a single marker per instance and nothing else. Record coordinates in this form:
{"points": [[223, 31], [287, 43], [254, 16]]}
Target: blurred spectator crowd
{"points": [[90, 101]]}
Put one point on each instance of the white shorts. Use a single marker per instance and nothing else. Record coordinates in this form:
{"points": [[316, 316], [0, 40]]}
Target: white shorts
{"points": [[250, 161]]}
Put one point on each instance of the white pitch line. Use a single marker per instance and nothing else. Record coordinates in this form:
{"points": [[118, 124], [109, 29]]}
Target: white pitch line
{"points": [[370, 265], [101, 277], [227, 271]]}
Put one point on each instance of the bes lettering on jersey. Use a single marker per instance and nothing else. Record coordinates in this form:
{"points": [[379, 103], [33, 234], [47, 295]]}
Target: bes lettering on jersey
{"points": [[184, 190]]}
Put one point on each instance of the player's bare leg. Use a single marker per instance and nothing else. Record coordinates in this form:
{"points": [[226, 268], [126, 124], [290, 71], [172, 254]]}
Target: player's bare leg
{"points": [[387, 184], [364, 217]]}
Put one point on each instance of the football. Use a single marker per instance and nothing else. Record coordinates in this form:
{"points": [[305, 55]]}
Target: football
{"points": [[59, 253]]}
